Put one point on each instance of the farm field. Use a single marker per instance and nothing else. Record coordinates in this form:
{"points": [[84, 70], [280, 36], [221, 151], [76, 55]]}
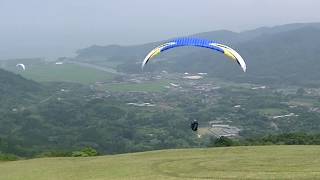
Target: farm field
{"points": [[64, 72]]}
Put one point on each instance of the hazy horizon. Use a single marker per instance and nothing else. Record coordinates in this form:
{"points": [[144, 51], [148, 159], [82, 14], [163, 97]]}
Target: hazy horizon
{"points": [[58, 28]]}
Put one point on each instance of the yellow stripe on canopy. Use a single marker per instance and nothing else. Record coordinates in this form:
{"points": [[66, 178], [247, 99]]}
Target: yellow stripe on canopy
{"points": [[229, 54]]}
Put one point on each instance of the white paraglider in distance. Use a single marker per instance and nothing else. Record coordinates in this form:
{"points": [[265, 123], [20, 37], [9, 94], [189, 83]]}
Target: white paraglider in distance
{"points": [[22, 66]]}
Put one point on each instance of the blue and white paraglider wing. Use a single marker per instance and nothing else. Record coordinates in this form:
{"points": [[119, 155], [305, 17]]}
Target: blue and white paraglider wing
{"points": [[229, 52]]}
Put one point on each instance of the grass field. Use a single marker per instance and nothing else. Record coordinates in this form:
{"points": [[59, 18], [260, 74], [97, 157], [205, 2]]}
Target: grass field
{"points": [[260, 162], [272, 111], [64, 72], [46, 72]]}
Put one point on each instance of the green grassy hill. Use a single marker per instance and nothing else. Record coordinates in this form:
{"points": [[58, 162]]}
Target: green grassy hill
{"points": [[260, 162]]}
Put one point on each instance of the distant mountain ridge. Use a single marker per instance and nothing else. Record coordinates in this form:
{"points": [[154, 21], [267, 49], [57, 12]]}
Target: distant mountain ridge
{"points": [[223, 36], [287, 53]]}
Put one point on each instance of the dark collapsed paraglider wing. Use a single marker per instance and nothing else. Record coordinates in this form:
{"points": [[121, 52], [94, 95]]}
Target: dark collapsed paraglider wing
{"points": [[194, 125]]}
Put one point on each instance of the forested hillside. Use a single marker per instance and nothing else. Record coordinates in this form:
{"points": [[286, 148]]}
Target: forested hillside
{"points": [[152, 109]]}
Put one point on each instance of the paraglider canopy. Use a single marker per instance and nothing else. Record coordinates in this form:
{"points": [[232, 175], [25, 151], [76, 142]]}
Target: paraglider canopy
{"points": [[22, 66], [229, 52]]}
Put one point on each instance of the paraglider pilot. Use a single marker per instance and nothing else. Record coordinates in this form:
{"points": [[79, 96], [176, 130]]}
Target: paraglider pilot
{"points": [[194, 125]]}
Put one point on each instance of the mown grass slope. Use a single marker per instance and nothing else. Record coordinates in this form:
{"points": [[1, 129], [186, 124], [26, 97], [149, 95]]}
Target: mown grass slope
{"points": [[261, 162]]}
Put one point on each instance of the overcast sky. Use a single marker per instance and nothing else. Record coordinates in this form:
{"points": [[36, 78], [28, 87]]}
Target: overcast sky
{"points": [[53, 28]]}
